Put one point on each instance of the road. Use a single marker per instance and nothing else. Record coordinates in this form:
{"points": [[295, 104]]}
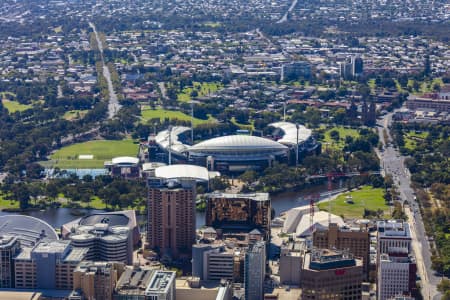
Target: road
{"points": [[285, 17], [113, 103], [393, 163]]}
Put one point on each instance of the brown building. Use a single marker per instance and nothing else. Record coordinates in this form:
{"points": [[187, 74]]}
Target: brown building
{"points": [[171, 216], [291, 260], [241, 212], [49, 265], [354, 239], [328, 274], [97, 280], [435, 103]]}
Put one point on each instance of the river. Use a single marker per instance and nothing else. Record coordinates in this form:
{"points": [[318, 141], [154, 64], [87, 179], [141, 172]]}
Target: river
{"points": [[280, 202]]}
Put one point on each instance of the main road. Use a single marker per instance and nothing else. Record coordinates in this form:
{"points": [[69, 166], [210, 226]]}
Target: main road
{"points": [[393, 163], [113, 103]]}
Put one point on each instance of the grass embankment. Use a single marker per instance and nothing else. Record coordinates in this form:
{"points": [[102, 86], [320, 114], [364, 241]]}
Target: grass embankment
{"points": [[74, 114], [103, 150], [365, 198], [343, 132], [148, 114]]}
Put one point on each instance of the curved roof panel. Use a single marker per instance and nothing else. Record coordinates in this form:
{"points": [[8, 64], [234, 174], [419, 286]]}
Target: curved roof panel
{"points": [[182, 171], [237, 142], [290, 133], [162, 138], [122, 160], [29, 230]]}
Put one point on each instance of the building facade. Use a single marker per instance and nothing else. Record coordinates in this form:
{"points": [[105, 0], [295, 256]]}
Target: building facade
{"points": [[242, 212], [255, 271], [328, 274], [356, 240], [171, 216], [97, 280], [56, 259], [393, 235], [9, 248], [396, 275]]}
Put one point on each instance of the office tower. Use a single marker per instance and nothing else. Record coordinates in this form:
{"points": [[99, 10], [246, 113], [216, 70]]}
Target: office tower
{"points": [[162, 286], [296, 70], [171, 216], [355, 239], [396, 275], [291, 261], [9, 248], [393, 236], [105, 243], [48, 265], [244, 212], [97, 280], [328, 274], [255, 271]]}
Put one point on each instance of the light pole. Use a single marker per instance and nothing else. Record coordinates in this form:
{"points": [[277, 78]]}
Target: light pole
{"points": [[296, 147]]}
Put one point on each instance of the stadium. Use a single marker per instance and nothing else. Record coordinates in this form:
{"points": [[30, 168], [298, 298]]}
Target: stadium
{"points": [[234, 153]]}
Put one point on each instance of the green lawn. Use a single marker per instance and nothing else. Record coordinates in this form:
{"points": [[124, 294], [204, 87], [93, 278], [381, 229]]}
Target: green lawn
{"points": [[74, 114], [250, 127], [13, 106], [4, 203], [343, 132], [367, 197], [67, 157], [148, 114], [203, 89], [411, 139]]}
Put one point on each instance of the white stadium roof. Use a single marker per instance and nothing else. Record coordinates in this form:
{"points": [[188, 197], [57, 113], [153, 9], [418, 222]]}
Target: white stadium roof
{"points": [[320, 220], [236, 143], [182, 171], [290, 133], [162, 138], [122, 160]]}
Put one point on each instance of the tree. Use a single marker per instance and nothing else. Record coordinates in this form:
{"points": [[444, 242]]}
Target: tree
{"points": [[334, 134]]}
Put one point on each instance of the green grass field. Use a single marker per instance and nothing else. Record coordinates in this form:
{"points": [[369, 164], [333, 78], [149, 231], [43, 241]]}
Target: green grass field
{"points": [[343, 132], [74, 114], [13, 106], [250, 127], [203, 89], [411, 139], [67, 157], [148, 114], [367, 197], [4, 203]]}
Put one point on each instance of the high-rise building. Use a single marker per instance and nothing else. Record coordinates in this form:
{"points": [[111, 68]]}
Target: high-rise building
{"points": [[48, 265], [162, 286], [291, 261], [171, 216], [239, 212], [296, 70], [328, 274], [396, 275], [9, 248], [97, 280], [255, 271], [393, 236], [354, 239]]}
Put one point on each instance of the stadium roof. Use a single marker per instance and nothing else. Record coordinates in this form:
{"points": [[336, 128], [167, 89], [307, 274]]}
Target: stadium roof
{"points": [[320, 220], [182, 171], [290, 133], [125, 160], [29, 230], [162, 138], [236, 143]]}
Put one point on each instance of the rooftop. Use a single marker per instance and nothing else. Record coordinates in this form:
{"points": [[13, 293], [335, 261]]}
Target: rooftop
{"points": [[236, 143], [28, 229], [182, 171], [291, 135], [160, 282], [252, 196]]}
